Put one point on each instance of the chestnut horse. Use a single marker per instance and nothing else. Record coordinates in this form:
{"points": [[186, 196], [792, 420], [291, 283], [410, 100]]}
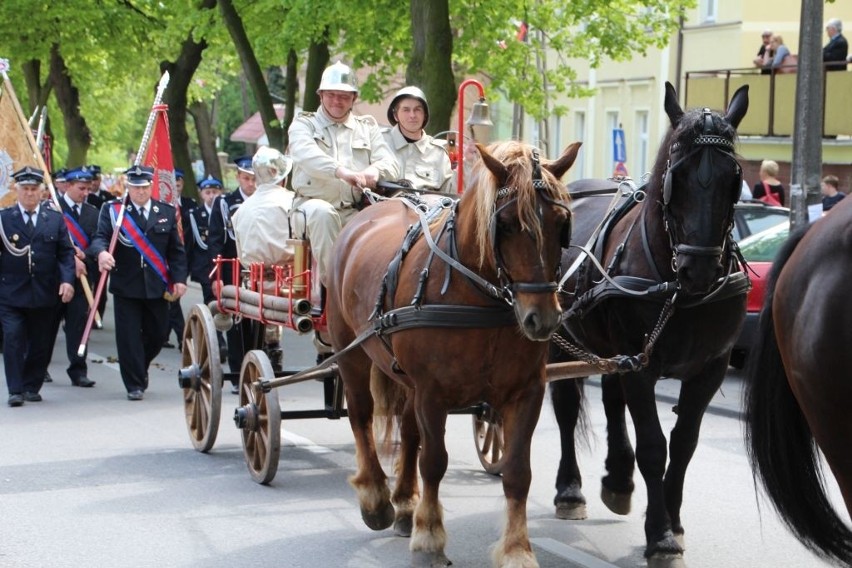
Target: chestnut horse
{"points": [[799, 390], [457, 304], [667, 292]]}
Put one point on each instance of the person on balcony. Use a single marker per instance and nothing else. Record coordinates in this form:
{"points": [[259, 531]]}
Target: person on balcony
{"points": [[837, 47], [764, 54], [780, 51]]}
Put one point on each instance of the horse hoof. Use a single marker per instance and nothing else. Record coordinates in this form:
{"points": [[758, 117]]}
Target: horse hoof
{"points": [[618, 503], [403, 525], [421, 559], [665, 553], [378, 520], [571, 511], [680, 539]]}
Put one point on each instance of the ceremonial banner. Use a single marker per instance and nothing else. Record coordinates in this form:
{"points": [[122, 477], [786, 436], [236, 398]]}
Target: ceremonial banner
{"points": [[159, 157], [15, 150]]}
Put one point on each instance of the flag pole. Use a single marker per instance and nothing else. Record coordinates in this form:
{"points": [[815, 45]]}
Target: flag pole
{"points": [[34, 148], [161, 87]]}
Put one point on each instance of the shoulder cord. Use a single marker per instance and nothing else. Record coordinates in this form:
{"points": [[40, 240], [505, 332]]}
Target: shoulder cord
{"points": [[13, 250], [196, 233]]}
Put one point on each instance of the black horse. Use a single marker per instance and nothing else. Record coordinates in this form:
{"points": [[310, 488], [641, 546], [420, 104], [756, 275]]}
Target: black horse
{"points": [[662, 284]]}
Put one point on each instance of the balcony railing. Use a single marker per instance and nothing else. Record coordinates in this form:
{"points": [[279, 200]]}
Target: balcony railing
{"points": [[772, 99]]}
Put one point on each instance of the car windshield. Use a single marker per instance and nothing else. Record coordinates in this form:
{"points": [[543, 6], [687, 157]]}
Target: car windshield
{"points": [[763, 246], [759, 218]]}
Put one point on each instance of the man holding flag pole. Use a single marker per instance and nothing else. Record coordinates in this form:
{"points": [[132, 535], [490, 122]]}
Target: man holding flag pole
{"points": [[139, 240]]}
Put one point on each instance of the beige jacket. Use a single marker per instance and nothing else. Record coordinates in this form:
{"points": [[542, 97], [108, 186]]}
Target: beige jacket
{"points": [[319, 146], [261, 226], [425, 163]]}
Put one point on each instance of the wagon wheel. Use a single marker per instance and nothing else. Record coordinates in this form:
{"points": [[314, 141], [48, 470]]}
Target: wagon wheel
{"points": [[259, 418], [488, 437], [200, 378]]}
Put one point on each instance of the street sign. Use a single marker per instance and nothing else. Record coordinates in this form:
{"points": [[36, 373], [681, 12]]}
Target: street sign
{"points": [[620, 170], [619, 148]]}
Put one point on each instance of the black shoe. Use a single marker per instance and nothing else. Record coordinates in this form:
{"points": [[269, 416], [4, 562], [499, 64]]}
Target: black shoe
{"points": [[135, 395], [16, 400], [235, 389], [223, 354], [32, 397], [47, 377], [83, 382], [168, 345]]}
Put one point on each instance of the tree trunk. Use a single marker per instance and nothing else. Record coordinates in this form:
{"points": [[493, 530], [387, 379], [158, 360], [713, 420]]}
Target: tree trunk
{"points": [[181, 72], [430, 67], [318, 58], [37, 95], [206, 138], [77, 133], [254, 74], [291, 89]]}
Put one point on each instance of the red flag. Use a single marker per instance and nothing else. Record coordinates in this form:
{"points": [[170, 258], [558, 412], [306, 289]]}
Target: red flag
{"points": [[159, 156]]}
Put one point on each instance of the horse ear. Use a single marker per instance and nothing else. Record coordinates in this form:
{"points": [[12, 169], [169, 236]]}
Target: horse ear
{"points": [[561, 165], [738, 106], [672, 106], [494, 165]]}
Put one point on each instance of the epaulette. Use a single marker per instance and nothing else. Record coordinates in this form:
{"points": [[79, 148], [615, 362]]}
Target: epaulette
{"points": [[440, 143], [158, 202], [306, 114]]}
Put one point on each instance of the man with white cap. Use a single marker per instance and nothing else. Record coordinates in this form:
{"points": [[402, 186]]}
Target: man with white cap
{"points": [[37, 266], [335, 155], [423, 160], [148, 259]]}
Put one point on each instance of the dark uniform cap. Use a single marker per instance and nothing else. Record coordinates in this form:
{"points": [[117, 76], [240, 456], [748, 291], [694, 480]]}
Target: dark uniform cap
{"points": [[95, 169], [29, 176], [210, 183], [244, 164], [178, 174], [139, 175], [60, 174], [79, 174]]}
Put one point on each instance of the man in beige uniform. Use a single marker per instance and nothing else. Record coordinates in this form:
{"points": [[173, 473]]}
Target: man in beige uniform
{"points": [[423, 160], [335, 155]]}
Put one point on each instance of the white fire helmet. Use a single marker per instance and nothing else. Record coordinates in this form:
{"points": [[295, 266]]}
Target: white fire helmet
{"points": [[408, 92], [338, 77], [270, 165]]}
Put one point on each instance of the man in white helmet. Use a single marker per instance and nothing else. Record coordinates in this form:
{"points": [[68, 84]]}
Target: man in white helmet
{"points": [[423, 160], [335, 155]]}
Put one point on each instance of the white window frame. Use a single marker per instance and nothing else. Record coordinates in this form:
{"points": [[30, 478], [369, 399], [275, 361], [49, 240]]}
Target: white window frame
{"points": [[611, 122], [641, 126], [578, 170], [709, 11]]}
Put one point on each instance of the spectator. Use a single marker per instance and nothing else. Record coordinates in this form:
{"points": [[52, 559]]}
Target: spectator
{"points": [[764, 54], [837, 47], [831, 195], [769, 189], [779, 51]]}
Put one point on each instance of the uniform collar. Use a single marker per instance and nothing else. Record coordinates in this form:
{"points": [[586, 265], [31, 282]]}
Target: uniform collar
{"points": [[35, 211], [70, 202], [326, 121], [399, 141]]}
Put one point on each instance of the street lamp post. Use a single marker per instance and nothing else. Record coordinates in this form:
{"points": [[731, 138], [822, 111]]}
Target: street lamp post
{"points": [[479, 117]]}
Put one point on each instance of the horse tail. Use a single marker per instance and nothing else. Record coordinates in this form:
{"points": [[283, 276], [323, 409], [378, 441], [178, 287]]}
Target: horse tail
{"points": [[779, 442], [388, 402]]}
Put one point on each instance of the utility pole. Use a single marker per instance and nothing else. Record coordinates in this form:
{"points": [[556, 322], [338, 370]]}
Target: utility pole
{"points": [[807, 133]]}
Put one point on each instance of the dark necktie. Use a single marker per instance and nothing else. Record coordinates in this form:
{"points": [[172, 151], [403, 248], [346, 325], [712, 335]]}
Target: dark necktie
{"points": [[142, 215], [76, 211], [30, 224]]}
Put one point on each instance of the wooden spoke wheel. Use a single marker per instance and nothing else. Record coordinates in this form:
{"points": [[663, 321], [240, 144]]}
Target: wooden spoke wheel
{"points": [[488, 437], [200, 378], [259, 418]]}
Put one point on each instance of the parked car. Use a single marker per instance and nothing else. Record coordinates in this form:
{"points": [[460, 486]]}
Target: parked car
{"points": [[759, 250], [754, 216]]}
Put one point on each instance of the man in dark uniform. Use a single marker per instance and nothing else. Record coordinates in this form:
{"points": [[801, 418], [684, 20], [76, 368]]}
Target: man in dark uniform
{"points": [[221, 242], [97, 195], [148, 258], [81, 219], [36, 265], [197, 249], [176, 319]]}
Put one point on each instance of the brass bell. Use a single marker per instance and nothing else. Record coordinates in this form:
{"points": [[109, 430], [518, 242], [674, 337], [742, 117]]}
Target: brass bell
{"points": [[479, 121]]}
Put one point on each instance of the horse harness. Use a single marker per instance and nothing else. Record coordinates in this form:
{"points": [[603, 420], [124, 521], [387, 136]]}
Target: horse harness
{"points": [[733, 283]]}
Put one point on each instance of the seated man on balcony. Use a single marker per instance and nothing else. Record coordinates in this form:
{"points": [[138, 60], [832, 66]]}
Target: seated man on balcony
{"points": [[837, 47]]}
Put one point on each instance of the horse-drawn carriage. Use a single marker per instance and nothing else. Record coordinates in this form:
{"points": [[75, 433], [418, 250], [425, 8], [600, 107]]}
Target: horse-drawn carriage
{"points": [[273, 296]]}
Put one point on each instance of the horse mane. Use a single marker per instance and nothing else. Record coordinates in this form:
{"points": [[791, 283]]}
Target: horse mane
{"points": [[517, 157], [690, 127]]}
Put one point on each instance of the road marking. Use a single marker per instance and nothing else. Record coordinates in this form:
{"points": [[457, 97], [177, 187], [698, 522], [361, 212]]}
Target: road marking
{"points": [[305, 443], [577, 557]]}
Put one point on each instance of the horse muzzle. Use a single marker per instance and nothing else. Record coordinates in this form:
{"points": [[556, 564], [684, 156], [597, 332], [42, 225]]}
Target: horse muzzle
{"points": [[698, 268]]}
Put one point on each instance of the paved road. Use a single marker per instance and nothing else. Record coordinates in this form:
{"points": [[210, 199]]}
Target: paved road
{"points": [[88, 478]]}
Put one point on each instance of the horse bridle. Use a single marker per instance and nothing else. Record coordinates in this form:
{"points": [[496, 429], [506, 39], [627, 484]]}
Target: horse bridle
{"points": [[706, 142], [507, 285]]}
